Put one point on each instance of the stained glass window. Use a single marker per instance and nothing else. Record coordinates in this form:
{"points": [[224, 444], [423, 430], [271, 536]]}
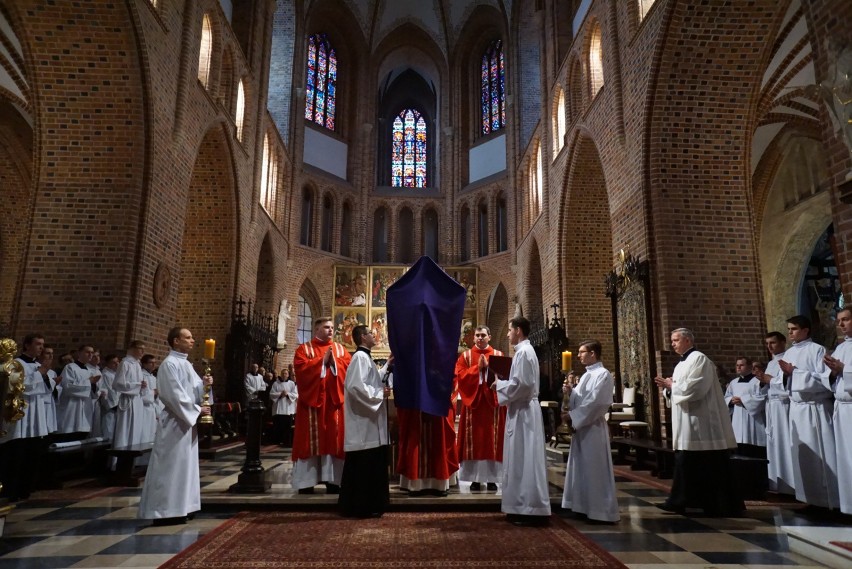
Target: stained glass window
{"points": [[408, 150], [493, 88], [321, 82]]}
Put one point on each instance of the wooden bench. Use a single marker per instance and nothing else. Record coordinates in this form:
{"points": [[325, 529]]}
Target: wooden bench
{"points": [[125, 474], [751, 475], [67, 460], [645, 454]]}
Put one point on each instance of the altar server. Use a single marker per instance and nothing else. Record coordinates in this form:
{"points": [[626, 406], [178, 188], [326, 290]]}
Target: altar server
{"points": [[76, 403], [172, 487], [364, 487], [811, 408], [779, 445], [130, 423], [589, 479], [840, 364], [526, 499], [151, 404], [22, 447], [283, 394], [746, 397]]}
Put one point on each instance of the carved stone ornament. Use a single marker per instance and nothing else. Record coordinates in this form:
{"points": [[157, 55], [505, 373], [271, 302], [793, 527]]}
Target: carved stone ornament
{"points": [[162, 285]]}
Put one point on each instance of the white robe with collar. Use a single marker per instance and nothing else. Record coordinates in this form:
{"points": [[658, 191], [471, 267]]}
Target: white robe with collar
{"points": [[589, 479], [172, 487], [779, 445], [283, 395], [749, 419], [811, 426], [365, 411], [75, 402], [843, 425], [525, 489], [151, 407], [130, 425], [700, 418]]}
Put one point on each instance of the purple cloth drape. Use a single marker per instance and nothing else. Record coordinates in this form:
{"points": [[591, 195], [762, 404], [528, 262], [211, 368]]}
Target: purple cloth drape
{"points": [[425, 308]]}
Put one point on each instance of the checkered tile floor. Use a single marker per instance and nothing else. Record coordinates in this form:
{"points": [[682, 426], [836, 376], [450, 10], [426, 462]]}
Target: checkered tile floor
{"points": [[103, 531]]}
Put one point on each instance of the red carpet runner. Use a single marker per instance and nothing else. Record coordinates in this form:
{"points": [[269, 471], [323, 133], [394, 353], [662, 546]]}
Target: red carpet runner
{"points": [[398, 540]]}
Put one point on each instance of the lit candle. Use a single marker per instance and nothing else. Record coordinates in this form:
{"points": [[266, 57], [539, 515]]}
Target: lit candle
{"points": [[566, 361], [209, 349]]}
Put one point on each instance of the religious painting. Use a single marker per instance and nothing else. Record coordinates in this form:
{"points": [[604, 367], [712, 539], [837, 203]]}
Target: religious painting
{"points": [[345, 320], [634, 347], [466, 277], [382, 279], [468, 328], [350, 286], [379, 328]]}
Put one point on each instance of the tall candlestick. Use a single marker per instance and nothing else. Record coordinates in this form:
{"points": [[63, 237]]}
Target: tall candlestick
{"points": [[209, 349], [566, 361]]}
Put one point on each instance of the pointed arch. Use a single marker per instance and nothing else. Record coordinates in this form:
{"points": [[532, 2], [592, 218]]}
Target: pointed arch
{"points": [[264, 292], [207, 261], [465, 230], [493, 88], [559, 127], [405, 235], [594, 60], [205, 51], [585, 225], [497, 316], [321, 81]]}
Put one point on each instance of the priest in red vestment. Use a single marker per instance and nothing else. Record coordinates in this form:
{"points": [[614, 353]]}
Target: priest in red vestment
{"points": [[482, 421], [427, 451], [320, 368]]}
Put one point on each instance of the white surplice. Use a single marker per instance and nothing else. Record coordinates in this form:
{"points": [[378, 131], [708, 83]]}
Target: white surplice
{"points": [[843, 425], [253, 383], [700, 417], [151, 407], [589, 479], [811, 426], [749, 419], [283, 395], [779, 444], [75, 402], [130, 426], [524, 465], [172, 487], [365, 412]]}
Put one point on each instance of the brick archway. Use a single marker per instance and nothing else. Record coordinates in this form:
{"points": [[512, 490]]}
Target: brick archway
{"points": [[16, 170], [208, 252], [702, 106], [586, 244]]}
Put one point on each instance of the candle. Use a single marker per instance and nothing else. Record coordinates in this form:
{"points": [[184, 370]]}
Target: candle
{"points": [[209, 349], [566, 361]]}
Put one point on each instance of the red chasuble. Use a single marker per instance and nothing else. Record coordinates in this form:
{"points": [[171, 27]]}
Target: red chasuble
{"points": [[319, 408], [482, 421], [427, 446]]}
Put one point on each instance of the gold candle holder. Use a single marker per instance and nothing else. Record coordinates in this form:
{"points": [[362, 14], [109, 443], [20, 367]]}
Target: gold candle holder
{"points": [[205, 399]]}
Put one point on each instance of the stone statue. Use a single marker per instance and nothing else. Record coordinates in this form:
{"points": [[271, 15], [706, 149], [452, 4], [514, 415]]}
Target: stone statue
{"points": [[836, 92], [283, 316]]}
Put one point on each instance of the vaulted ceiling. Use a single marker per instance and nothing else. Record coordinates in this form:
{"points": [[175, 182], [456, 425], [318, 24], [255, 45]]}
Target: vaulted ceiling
{"points": [[441, 19]]}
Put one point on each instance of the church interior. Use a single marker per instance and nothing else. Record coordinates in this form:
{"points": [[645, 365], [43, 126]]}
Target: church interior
{"points": [[608, 169]]}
